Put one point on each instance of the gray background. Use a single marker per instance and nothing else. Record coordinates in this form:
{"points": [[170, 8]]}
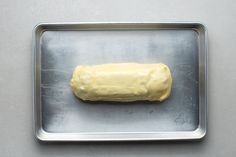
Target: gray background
{"points": [[17, 19]]}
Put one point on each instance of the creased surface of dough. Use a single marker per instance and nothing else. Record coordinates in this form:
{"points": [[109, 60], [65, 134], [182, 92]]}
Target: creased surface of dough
{"points": [[122, 82]]}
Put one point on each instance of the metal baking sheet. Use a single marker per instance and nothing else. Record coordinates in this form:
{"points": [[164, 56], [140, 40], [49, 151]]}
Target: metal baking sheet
{"points": [[60, 116]]}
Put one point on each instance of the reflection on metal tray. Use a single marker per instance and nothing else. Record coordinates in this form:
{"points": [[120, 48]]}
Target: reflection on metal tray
{"points": [[60, 116]]}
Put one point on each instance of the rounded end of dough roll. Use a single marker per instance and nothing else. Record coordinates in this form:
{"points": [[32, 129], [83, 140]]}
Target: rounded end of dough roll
{"points": [[122, 82], [162, 87], [77, 84]]}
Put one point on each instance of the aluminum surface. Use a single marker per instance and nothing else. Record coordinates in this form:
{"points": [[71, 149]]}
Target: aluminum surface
{"points": [[60, 116]]}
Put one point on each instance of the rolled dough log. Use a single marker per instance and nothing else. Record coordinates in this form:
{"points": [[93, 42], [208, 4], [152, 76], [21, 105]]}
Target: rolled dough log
{"points": [[122, 82]]}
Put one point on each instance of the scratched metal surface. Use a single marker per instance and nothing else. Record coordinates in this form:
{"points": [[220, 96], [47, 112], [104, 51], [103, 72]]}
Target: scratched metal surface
{"points": [[62, 50]]}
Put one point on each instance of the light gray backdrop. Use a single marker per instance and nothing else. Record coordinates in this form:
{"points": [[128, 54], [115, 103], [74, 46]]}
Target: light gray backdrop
{"points": [[17, 19]]}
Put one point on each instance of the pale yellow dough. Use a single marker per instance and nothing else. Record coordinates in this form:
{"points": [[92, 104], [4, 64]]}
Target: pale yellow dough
{"points": [[122, 82]]}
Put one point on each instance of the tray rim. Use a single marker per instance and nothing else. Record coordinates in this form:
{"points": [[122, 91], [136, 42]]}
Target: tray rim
{"points": [[197, 134]]}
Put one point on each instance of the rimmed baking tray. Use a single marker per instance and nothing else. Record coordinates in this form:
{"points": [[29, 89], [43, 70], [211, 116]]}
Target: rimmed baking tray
{"points": [[60, 116]]}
